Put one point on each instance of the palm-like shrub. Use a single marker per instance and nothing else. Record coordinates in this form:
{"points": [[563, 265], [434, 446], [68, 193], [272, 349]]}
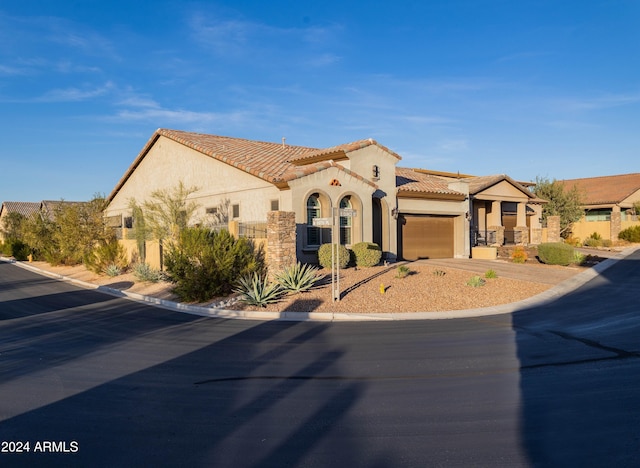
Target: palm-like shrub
{"points": [[256, 290], [298, 278], [367, 254], [324, 256]]}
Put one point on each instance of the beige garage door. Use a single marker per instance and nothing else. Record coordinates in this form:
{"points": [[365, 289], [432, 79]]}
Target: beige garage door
{"points": [[426, 236]]}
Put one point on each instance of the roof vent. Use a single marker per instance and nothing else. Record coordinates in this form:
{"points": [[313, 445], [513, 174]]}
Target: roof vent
{"points": [[283, 144]]}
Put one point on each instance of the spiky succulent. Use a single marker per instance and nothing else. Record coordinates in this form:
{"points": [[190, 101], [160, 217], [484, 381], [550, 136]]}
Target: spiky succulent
{"points": [[256, 290], [298, 278]]}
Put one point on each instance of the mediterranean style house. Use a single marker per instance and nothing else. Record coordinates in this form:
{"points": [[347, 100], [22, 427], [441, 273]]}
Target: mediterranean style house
{"points": [[608, 204], [410, 213]]}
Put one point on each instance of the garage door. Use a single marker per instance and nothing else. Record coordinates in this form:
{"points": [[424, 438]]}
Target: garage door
{"points": [[426, 236]]}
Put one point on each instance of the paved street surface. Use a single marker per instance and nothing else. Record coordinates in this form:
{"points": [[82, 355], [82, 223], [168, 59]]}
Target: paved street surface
{"points": [[110, 382]]}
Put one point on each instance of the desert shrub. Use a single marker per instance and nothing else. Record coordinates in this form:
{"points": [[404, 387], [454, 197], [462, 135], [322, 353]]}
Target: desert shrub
{"points": [[402, 271], [324, 256], [256, 290], [491, 274], [476, 282], [519, 255], [107, 253], [113, 270], [298, 278], [572, 240], [367, 254], [606, 243], [439, 273], [594, 240], [631, 234], [556, 253], [15, 248], [204, 263], [144, 272]]}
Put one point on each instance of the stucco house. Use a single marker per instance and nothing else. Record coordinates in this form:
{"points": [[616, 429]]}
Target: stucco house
{"points": [[608, 204], [410, 213]]}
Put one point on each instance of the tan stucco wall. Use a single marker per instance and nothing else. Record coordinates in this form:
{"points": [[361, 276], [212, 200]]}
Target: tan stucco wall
{"points": [[168, 162], [502, 191]]}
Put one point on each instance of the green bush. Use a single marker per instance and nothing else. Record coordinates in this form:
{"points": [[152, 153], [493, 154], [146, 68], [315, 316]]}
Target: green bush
{"points": [[256, 290], [298, 278], [476, 282], [402, 271], [16, 248], [556, 253], [324, 256], [205, 264], [491, 274], [367, 254], [107, 253], [631, 234], [594, 240]]}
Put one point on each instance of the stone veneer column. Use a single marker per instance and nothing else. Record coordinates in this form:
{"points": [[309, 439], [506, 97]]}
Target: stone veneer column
{"points": [[281, 240], [521, 224], [553, 229], [615, 223]]}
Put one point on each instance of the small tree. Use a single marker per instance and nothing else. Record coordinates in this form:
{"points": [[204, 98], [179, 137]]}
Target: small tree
{"points": [[167, 212], [564, 203], [141, 231], [11, 227]]}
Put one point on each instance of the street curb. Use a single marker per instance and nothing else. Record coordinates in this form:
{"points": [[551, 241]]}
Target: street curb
{"points": [[541, 299]]}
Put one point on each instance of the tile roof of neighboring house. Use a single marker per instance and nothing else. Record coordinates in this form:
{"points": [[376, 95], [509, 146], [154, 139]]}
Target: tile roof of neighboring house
{"points": [[606, 189], [480, 183], [410, 181], [23, 208]]}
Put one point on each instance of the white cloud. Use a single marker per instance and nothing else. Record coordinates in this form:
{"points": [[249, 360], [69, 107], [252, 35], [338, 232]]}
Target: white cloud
{"points": [[74, 94], [604, 101]]}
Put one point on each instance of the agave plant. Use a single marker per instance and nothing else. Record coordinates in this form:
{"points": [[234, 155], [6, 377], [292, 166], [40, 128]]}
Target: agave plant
{"points": [[113, 270], [298, 278], [256, 290]]}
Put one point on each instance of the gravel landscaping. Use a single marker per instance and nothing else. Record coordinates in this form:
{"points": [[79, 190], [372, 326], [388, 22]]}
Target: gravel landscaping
{"points": [[425, 289]]}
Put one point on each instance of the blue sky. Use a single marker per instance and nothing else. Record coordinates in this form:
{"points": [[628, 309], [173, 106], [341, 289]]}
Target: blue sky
{"points": [[528, 88]]}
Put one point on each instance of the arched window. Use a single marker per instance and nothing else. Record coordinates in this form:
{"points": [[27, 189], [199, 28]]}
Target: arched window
{"points": [[314, 210], [345, 222]]}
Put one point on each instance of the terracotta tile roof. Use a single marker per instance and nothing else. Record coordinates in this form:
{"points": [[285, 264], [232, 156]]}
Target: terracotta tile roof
{"points": [[605, 190], [329, 153], [411, 181], [23, 208], [268, 161]]}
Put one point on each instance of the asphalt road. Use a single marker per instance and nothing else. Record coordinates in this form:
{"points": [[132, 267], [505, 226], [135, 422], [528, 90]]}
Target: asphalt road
{"points": [[92, 380]]}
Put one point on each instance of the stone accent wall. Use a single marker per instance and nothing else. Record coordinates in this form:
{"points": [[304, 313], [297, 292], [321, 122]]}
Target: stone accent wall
{"points": [[523, 237], [536, 236], [281, 240], [616, 225], [553, 229], [499, 240]]}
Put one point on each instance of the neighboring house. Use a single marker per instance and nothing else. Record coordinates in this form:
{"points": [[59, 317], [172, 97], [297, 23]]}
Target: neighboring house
{"points": [[410, 213], [25, 209], [608, 204]]}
